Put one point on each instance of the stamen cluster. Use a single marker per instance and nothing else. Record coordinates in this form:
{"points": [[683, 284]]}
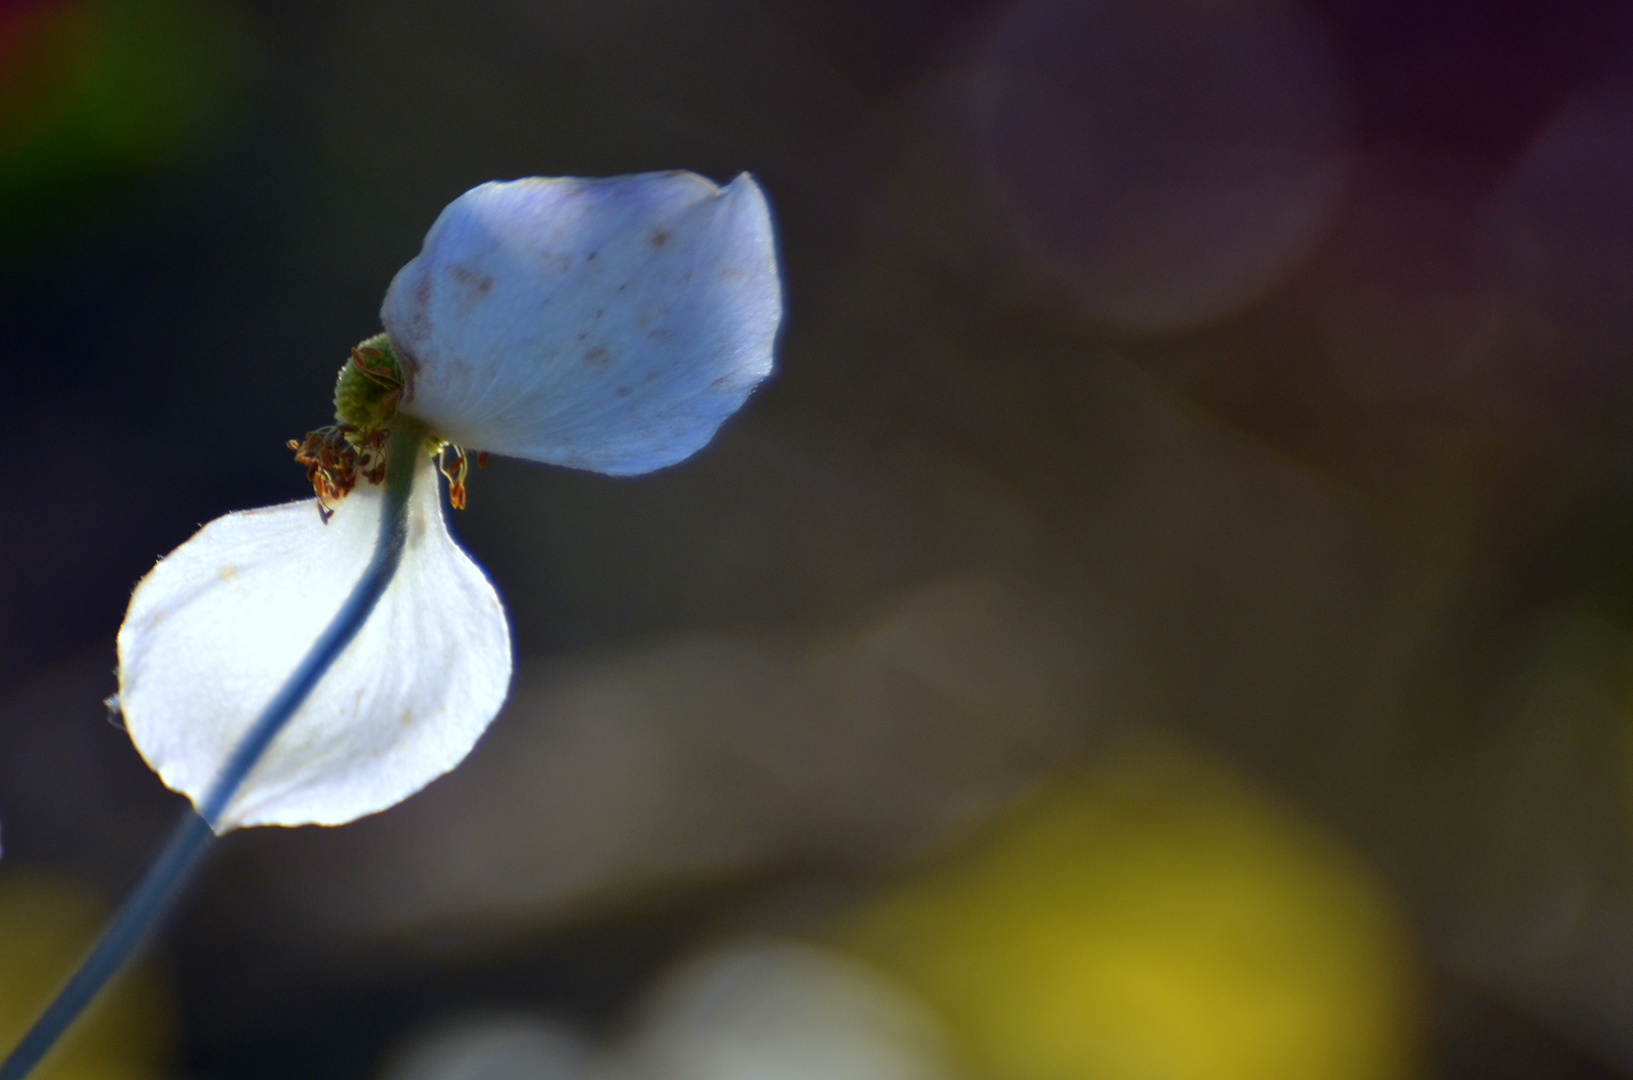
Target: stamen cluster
{"points": [[367, 392], [335, 456]]}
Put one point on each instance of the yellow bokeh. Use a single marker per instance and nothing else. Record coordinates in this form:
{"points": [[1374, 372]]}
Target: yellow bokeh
{"points": [[46, 926], [1155, 921]]}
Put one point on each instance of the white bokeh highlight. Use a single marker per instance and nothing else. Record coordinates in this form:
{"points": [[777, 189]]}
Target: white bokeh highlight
{"points": [[217, 626], [756, 1008], [608, 324], [496, 1048], [770, 1009]]}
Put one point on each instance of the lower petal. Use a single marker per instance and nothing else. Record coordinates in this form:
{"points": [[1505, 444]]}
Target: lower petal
{"points": [[217, 626]]}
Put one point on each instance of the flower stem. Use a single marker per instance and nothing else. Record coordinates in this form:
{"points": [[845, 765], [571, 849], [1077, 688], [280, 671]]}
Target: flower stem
{"points": [[162, 882]]}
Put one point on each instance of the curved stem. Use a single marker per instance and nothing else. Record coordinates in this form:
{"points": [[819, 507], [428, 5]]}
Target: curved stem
{"points": [[162, 882]]}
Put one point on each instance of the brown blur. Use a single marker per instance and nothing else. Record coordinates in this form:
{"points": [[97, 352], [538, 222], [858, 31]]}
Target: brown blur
{"points": [[1168, 618]]}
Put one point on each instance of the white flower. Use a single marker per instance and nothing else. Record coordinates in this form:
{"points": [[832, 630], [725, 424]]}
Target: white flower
{"points": [[605, 324]]}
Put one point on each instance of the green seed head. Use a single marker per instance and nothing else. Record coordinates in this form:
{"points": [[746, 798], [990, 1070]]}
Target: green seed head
{"points": [[368, 387]]}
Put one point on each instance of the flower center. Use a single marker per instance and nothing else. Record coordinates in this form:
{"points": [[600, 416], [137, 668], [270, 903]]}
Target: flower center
{"points": [[367, 391]]}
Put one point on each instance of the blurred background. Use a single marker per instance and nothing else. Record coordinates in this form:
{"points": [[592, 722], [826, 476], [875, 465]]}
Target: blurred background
{"points": [[1167, 619]]}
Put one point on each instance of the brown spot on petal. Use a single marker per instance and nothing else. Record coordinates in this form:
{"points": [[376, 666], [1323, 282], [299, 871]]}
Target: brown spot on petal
{"points": [[227, 572], [473, 286], [658, 238], [622, 391], [596, 357], [731, 273], [419, 313], [469, 278]]}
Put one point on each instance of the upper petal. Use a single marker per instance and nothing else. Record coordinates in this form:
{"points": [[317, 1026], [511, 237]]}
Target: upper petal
{"points": [[603, 324], [217, 626]]}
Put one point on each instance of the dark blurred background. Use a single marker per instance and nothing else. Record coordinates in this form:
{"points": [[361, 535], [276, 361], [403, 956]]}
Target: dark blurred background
{"points": [[1168, 617]]}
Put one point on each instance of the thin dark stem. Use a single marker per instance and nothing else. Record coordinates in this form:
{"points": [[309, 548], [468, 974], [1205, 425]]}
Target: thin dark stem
{"points": [[159, 887], [141, 909]]}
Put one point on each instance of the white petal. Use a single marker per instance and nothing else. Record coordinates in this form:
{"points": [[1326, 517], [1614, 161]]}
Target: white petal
{"points": [[603, 324], [214, 630]]}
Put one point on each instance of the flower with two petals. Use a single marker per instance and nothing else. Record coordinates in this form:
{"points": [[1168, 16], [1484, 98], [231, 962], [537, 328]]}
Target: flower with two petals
{"points": [[609, 324]]}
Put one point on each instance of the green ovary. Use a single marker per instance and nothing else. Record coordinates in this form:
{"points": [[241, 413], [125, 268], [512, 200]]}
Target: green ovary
{"points": [[368, 399]]}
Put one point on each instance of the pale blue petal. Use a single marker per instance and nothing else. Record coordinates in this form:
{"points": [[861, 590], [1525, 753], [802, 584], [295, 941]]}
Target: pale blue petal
{"points": [[601, 324]]}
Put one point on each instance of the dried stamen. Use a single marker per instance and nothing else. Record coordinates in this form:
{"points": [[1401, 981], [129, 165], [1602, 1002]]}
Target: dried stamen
{"points": [[455, 470]]}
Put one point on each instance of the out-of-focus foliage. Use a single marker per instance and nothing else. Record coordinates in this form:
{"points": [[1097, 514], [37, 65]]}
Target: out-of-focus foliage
{"points": [[1156, 920], [95, 91], [46, 925]]}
